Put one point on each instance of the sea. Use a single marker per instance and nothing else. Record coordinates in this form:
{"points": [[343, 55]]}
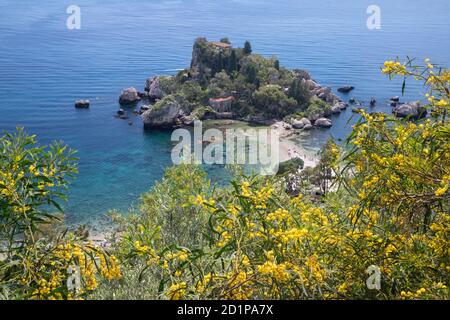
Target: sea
{"points": [[46, 64]]}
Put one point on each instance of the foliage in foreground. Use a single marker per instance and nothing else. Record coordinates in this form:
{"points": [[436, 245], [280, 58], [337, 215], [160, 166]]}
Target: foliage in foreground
{"points": [[388, 207], [37, 260]]}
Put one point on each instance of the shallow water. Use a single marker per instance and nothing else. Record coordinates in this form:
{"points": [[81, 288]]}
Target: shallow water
{"points": [[45, 67]]}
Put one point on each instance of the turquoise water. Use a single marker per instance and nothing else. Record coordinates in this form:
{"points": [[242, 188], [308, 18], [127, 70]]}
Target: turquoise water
{"points": [[45, 67]]}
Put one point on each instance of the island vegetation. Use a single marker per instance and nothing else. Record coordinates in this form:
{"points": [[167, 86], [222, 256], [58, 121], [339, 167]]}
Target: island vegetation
{"points": [[224, 82], [384, 204]]}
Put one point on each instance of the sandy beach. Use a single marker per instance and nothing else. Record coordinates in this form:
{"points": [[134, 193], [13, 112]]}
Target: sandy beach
{"points": [[289, 149]]}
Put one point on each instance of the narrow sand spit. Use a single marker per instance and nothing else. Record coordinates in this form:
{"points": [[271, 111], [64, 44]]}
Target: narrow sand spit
{"points": [[289, 149]]}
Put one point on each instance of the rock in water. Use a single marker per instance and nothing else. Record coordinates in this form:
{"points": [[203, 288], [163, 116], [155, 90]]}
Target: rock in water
{"points": [[164, 114], [336, 109], [346, 89], [82, 104], [129, 96], [323, 123], [395, 99], [373, 102], [343, 105], [410, 110]]}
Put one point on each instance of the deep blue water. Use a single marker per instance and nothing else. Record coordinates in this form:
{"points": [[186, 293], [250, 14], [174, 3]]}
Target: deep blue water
{"points": [[44, 67]]}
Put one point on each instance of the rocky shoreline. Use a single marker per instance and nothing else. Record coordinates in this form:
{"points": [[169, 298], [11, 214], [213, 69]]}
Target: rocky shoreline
{"points": [[172, 114], [165, 110], [223, 82], [169, 102]]}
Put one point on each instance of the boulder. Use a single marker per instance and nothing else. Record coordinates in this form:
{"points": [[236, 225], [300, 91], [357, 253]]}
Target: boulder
{"points": [[129, 96], [357, 110], [410, 110], [164, 114], [323, 93], [308, 127], [323, 123], [301, 74], [352, 100], [343, 105], [313, 117], [143, 95], [346, 89], [121, 112], [153, 88], [395, 99], [373, 102], [300, 124], [188, 121], [311, 84], [332, 99], [336, 109], [82, 104], [325, 114], [144, 108]]}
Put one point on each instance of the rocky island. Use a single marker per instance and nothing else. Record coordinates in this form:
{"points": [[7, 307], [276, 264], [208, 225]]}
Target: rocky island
{"points": [[224, 82]]}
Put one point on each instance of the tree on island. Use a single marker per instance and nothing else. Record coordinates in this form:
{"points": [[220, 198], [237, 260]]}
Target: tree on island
{"points": [[277, 64], [251, 73], [247, 48], [232, 62], [299, 92]]}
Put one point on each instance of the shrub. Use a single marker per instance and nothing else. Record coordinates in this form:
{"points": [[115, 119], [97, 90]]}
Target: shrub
{"points": [[316, 109], [291, 166], [300, 92], [273, 102], [247, 48], [32, 179], [387, 211], [263, 245], [192, 92], [220, 86], [33, 264]]}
